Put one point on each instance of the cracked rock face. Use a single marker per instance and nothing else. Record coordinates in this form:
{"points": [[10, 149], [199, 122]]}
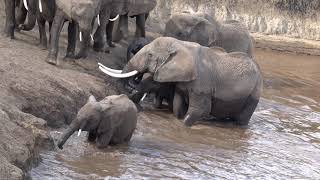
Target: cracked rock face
{"points": [[298, 19]]}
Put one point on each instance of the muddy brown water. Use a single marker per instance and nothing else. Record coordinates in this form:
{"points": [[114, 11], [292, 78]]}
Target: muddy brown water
{"points": [[282, 141]]}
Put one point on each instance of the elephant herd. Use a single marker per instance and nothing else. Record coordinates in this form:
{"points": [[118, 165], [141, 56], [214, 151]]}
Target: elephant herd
{"points": [[201, 67]]}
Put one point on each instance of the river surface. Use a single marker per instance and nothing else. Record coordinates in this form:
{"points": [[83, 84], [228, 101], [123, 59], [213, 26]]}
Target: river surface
{"points": [[282, 141]]}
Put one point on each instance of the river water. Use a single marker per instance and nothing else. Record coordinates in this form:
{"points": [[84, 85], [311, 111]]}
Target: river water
{"points": [[282, 141]]}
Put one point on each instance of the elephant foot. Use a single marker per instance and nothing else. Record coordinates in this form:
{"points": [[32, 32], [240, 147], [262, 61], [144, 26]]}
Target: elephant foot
{"points": [[51, 61], [69, 55], [43, 46], [190, 119], [81, 55]]}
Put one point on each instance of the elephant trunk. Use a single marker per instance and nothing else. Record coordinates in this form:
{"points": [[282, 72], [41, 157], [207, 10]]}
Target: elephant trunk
{"points": [[67, 133], [32, 17]]}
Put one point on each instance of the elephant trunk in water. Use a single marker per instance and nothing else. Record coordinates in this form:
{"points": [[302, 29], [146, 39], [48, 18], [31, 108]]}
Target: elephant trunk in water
{"points": [[67, 133]]}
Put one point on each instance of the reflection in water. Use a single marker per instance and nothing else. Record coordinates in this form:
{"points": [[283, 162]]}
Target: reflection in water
{"points": [[283, 140]]}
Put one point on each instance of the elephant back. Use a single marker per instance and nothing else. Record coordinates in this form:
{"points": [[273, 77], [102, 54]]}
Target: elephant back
{"points": [[136, 7]]}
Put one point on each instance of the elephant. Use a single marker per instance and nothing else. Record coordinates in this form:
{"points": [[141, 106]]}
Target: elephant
{"points": [[231, 35], [81, 14], [110, 121], [123, 8], [41, 11], [207, 82]]}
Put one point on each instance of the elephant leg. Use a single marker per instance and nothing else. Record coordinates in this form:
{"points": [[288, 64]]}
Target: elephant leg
{"points": [[140, 26], [55, 34], [128, 138], [99, 39], [42, 32], [92, 136], [180, 106], [122, 29], [72, 39], [158, 100], [103, 140], [245, 115], [21, 14], [199, 107], [10, 18], [84, 45], [109, 30]]}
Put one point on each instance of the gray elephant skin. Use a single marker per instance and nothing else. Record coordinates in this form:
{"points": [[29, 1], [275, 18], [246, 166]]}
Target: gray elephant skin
{"points": [[207, 81], [110, 121], [232, 35]]}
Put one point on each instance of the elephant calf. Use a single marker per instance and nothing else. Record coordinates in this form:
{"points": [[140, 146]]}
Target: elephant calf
{"points": [[109, 122], [207, 81], [232, 36]]}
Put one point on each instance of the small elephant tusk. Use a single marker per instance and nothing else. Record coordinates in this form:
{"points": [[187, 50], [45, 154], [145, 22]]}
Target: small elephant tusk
{"points": [[40, 6], [25, 4], [91, 37], [80, 36], [98, 19], [143, 97], [114, 19], [126, 75], [79, 132], [109, 69]]}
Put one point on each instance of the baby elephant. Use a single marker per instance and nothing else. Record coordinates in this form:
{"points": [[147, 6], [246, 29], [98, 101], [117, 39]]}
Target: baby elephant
{"points": [[109, 122]]}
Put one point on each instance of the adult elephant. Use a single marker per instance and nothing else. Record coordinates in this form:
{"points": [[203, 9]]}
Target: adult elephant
{"points": [[41, 11], [207, 82], [110, 121], [232, 36], [82, 14], [123, 8]]}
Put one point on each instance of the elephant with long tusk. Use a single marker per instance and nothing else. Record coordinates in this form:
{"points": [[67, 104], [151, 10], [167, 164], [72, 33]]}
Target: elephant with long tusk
{"points": [[207, 81], [109, 122]]}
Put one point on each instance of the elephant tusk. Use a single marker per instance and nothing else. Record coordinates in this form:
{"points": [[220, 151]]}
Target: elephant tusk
{"points": [[80, 36], [109, 69], [114, 19], [98, 19], [80, 130], [91, 37], [126, 75], [25, 4], [143, 97], [40, 6]]}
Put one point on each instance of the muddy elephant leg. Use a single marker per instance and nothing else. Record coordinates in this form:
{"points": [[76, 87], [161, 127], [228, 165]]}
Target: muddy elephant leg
{"points": [[99, 38], [140, 26], [199, 107], [84, 44], [244, 117], [92, 136], [72, 39], [103, 140], [42, 32], [55, 34], [109, 30], [180, 106], [158, 100], [10, 18], [122, 30]]}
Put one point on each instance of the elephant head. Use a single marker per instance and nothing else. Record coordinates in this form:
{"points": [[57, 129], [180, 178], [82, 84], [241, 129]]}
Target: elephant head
{"points": [[87, 119], [166, 59], [193, 28]]}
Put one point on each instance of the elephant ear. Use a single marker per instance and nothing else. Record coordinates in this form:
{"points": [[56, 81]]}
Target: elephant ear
{"points": [[179, 67]]}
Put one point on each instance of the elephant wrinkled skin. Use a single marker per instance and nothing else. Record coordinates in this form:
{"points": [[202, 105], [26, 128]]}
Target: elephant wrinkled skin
{"points": [[109, 122]]}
